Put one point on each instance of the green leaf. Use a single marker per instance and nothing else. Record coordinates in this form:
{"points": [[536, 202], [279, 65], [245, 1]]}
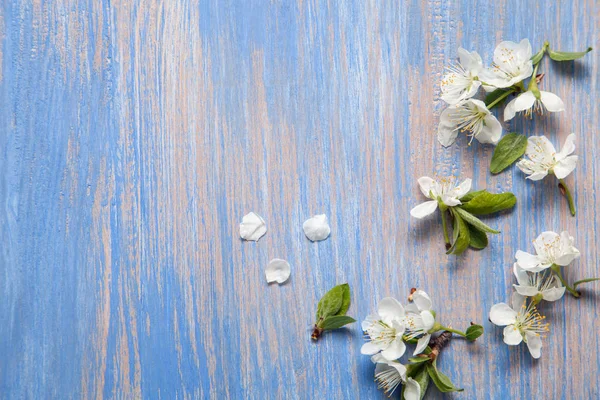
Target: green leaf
{"points": [[537, 57], [471, 195], [495, 95], [473, 332], [331, 303], [489, 203], [422, 378], [443, 383], [336, 321], [478, 239], [575, 284], [474, 221], [419, 360], [567, 55], [460, 235], [345, 299], [507, 151]]}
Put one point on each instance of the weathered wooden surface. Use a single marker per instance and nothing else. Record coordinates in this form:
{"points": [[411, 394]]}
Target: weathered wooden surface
{"points": [[135, 135]]}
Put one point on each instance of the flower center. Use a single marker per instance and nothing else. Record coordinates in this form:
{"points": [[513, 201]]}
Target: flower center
{"points": [[388, 380], [469, 120], [381, 334], [530, 320]]}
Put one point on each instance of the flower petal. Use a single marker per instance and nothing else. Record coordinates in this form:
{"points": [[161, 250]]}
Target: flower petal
{"points": [[491, 132], [524, 101], [565, 166], [552, 102], [395, 350], [424, 209], [412, 390], [369, 349], [428, 320], [501, 314], [252, 227], [529, 262], [545, 241], [540, 150], [450, 200], [278, 271], [512, 336], [509, 110], [553, 294], [521, 275], [447, 129], [369, 321], [568, 147], [422, 344], [471, 61], [534, 343], [427, 186], [390, 309], [568, 252], [422, 300], [528, 291]]}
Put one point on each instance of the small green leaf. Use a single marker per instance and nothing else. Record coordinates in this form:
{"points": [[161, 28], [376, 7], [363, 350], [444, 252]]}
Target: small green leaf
{"points": [[474, 221], [575, 284], [345, 299], [443, 383], [478, 239], [492, 97], [471, 195], [460, 235], [419, 360], [508, 150], [537, 57], [473, 332], [330, 303], [336, 321], [567, 55], [489, 203]]}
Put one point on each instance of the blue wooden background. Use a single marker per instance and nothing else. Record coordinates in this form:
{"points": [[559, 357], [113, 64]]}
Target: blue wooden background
{"points": [[136, 134]]}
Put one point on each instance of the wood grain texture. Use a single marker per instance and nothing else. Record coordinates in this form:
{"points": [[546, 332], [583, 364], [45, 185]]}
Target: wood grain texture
{"points": [[135, 135]]}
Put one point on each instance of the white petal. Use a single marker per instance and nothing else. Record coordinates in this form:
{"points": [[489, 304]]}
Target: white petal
{"points": [[390, 309], [395, 350], [538, 175], [412, 390], [529, 262], [491, 132], [523, 290], [568, 147], [509, 110], [253, 227], [553, 294], [428, 320], [463, 188], [422, 344], [568, 252], [447, 130], [512, 336], [317, 228], [546, 240], [471, 61], [450, 200], [540, 150], [422, 300], [564, 167], [552, 102], [369, 321], [424, 209], [524, 101], [278, 271], [520, 274], [534, 343], [369, 349], [427, 186], [501, 314], [517, 300]]}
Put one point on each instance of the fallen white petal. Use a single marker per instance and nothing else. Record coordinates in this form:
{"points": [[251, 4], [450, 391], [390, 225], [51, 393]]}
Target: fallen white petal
{"points": [[278, 271], [253, 227], [317, 228]]}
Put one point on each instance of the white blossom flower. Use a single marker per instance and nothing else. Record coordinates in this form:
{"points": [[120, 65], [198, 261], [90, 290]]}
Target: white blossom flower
{"points": [[470, 116], [384, 330], [444, 190], [542, 158], [461, 82], [528, 103], [419, 320], [543, 284], [390, 374], [551, 248], [522, 323], [512, 64]]}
